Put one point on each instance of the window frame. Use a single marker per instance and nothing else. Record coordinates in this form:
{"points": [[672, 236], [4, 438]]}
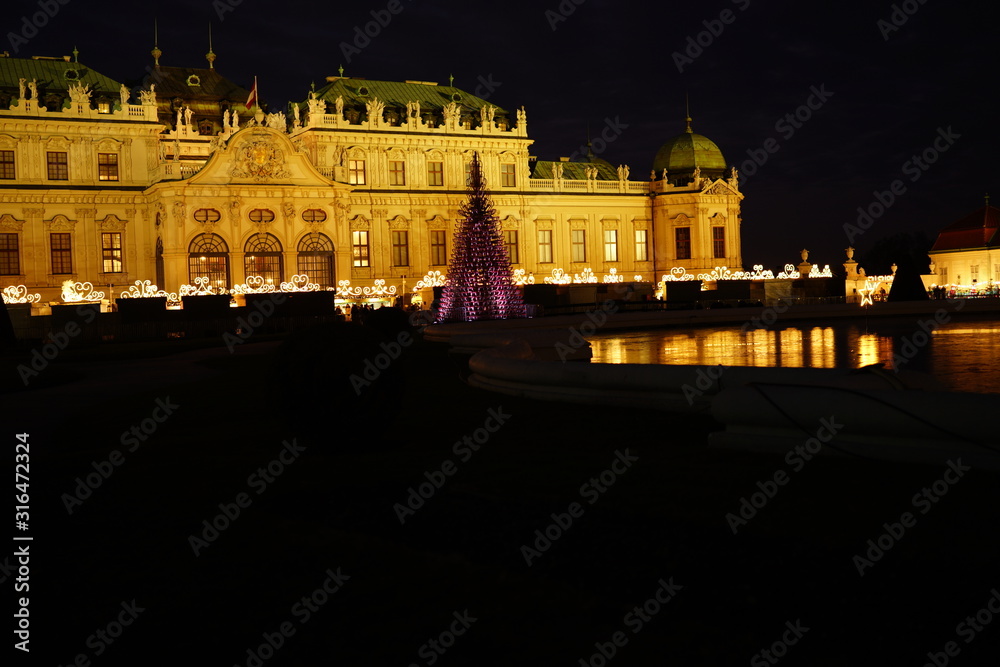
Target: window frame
{"points": [[545, 246], [435, 176], [682, 242], [439, 247], [8, 166], [510, 243], [59, 167], [508, 175], [61, 257], [107, 170], [578, 245], [10, 254], [360, 249], [400, 247], [397, 172], [357, 173], [641, 245], [610, 245], [719, 242], [110, 252]]}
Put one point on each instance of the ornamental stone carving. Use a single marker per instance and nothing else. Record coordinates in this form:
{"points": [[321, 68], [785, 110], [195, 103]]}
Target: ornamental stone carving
{"points": [[60, 223], [112, 223], [8, 223], [259, 159]]}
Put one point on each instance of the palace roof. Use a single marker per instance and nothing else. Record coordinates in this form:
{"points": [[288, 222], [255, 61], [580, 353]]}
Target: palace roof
{"points": [[976, 230], [358, 92], [54, 75]]}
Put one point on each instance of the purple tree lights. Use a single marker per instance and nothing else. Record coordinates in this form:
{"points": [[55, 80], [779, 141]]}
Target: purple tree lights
{"points": [[480, 285]]}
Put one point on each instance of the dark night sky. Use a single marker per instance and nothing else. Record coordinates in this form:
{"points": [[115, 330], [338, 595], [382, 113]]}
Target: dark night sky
{"points": [[615, 60]]}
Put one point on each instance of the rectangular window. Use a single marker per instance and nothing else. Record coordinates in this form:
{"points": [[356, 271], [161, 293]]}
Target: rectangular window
{"points": [[111, 244], [610, 245], [6, 164], [400, 248], [58, 165], [359, 246], [62, 256], [107, 166], [356, 172], [682, 242], [397, 172], [996, 272], [974, 270], [944, 275], [544, 246], [435, 173], [641, 246], [10, 264], [579, 248], [468, 174], [507, 178], [510, 241], [439, 248], [719, 242]]}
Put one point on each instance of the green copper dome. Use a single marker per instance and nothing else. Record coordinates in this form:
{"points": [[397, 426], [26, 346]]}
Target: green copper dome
{"points": [[680, 156]]}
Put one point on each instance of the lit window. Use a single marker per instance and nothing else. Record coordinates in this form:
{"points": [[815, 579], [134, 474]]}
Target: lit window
{"points": [[682, 238], [439, 249], [468, 174], [719, 242], [435, 173], [356, 172], [316, 258], [397, 172], [544, 246], [107, 166], [579, 245], [359, 247], [111, 249], [974, 271], [208, 257], [510, 241], [10, 264], [58, 165], [641, 246], [6, 164], [610, 245], [62, 254], [400, 248], [207, 215], [507, 178], [262, 257]]}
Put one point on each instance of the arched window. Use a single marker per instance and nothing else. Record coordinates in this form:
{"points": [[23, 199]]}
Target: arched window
{"points": [[315, 259], [263, 258], [208, 255]]}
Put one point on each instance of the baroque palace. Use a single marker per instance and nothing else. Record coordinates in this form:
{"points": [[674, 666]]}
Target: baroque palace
{"points": [[177, 180]]}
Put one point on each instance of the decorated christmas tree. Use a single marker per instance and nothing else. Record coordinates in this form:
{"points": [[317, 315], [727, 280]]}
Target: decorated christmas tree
{"points": [[480, 286]]}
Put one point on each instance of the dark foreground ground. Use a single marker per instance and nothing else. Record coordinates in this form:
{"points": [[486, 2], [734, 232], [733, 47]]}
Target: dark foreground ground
{"points": [[661, 520]]}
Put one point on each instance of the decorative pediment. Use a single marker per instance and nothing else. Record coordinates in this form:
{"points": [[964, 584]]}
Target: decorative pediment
{"points": [[399, 222], [720, 187], [360, 222], [57, 143], [437, 222], [9, 224], [718, 219], [544, 223], [681, 219], [577, 222], [610, 223], [108, 145], [509, 222], [7, 141], [112, 223], [259, 155], [60, 223]]}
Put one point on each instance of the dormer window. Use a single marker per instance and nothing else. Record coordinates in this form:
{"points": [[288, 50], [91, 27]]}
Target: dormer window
{"points": [[194, 80], [363, 91], [205, 128], [71, 75]]}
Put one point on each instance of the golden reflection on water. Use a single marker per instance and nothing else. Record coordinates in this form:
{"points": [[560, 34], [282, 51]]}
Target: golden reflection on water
{"points": [[964, 356]]}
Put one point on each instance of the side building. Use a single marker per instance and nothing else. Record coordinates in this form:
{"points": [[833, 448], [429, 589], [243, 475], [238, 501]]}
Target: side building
{"points": [[361, 181], [965, 256]]}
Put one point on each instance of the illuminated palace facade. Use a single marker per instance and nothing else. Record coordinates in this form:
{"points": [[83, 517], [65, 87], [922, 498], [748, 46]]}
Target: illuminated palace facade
{"points": [[176, 179]]}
